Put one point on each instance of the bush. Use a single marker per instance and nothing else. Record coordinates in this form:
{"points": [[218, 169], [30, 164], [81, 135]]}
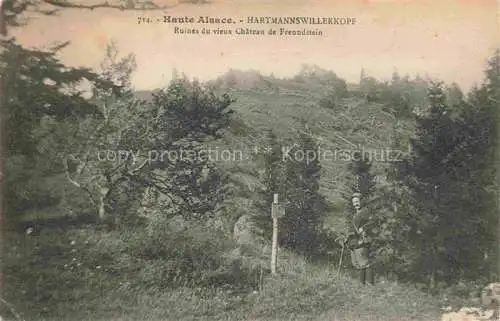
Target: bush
{"points": [[191, 255], [329, 249]]}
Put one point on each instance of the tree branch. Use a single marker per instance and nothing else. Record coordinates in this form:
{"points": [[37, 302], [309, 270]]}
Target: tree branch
{"points": [[75, 183], [148, 5], [12, 310], [165, 190], [68, 175], [135, 170]]}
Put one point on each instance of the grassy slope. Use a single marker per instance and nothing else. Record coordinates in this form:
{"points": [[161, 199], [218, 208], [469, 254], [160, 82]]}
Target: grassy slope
{"points": [[284, 104], [315, 294], [301, 292]]}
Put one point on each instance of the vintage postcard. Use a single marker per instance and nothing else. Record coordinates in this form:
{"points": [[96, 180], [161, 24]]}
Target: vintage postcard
{"points": [[250, 160]]}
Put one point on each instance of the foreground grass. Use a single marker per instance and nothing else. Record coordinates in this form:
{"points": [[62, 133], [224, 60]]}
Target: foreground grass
{"points": [[94, 276], [318, 294]]}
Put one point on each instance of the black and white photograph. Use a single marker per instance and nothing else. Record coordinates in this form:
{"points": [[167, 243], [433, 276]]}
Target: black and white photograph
{"points": [[249, 160]]}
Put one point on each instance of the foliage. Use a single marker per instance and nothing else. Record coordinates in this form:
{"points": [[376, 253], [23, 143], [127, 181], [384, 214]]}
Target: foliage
{"points": [[94, 152], [39, 90], [272, 179], [446, 207], [185, 117], [401, 96], [305, 206], [337, 87], [130, 146]]}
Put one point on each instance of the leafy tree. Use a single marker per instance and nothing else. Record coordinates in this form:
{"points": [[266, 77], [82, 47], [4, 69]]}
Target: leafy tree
{"points": [[185, 116], [29, 73], [39, 91], [83, 145], [134, 145]]}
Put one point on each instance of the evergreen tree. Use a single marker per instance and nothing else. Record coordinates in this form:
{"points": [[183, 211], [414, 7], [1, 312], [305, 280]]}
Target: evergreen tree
{"points": [[425, 174], [446, 228], [493, 89], [302, 224], [399, 96], [454, 96], [483, 114], [272, 179], [362, 75]]}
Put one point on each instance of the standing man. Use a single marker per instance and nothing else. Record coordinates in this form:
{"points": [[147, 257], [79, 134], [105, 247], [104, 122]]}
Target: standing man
{"points": [[360, 243]]}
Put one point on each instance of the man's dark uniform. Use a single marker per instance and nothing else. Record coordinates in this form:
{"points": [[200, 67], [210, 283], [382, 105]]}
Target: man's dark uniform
{"points": [[359, 244]]}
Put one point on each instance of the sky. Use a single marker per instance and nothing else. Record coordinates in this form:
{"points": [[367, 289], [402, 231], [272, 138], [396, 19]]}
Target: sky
{"points": [[446, 39]]}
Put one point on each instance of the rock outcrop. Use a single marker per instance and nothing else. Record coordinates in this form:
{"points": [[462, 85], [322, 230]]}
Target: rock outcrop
{"points": [[243, 231], [469, 314]]}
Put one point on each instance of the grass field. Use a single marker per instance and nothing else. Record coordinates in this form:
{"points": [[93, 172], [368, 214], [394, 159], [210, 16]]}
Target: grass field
{"points": [[77, 284]]}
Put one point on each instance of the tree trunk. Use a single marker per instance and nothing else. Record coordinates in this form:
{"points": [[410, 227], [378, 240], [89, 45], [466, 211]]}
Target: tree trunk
{"points": [[432, 279], [103, 198], [102, 208]]}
